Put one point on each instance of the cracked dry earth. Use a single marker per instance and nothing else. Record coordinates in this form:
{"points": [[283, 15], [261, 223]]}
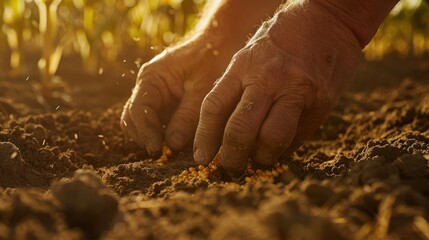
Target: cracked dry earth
{"points": [[72, 174]]}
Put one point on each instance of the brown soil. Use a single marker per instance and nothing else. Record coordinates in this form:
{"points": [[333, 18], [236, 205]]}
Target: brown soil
{"points": [[71, 173]]}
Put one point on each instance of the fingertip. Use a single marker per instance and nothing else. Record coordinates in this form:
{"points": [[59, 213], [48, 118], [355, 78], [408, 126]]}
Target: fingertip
{"points": [[265, 157], [199, 157], [204, 156], [153, 150], [176, 141], [233, 165]]}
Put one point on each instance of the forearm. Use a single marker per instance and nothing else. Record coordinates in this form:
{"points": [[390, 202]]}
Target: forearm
{"points": [[230, 22], [363, 17]]}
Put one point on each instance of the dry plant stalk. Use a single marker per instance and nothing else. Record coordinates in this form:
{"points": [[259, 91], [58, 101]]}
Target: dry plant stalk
{"points": [[13, 16], [51, 53]]}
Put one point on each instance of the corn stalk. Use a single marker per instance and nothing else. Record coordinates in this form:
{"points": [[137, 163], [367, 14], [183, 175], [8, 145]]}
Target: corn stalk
{"points": [[51, 52], [14, 27]]}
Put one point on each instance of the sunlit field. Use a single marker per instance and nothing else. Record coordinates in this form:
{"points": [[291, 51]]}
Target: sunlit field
{"points": [[104, 31], [67, 171]]}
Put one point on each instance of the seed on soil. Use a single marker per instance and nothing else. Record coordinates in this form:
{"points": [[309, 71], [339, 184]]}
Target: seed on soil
{"points": [[166, 153]]}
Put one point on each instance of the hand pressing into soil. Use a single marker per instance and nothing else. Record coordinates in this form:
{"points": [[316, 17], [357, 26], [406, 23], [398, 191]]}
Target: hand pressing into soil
{"points": [[184, 72], [281, 87], [171, 87]]}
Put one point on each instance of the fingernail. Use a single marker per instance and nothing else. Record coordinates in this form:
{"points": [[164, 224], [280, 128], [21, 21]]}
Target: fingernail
{"points": [[177, 140], [199, 157]]}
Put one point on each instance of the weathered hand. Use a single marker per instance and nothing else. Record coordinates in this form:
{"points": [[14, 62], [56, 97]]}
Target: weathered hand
{"points": [[184, 74], [278, 89]]}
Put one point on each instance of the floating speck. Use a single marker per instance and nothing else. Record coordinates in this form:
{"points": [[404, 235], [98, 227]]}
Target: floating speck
{"points": [[58, 107], [28, 78], [35, 23], [209, 46], [13, 155], [44, 141], [132, 72], [100, 71], [164, 126], [125, 123], [100, 136], [145, 111], [123, 75], [124, 60], [138, 62], [216, 52], [103, 142], [76, 136]]}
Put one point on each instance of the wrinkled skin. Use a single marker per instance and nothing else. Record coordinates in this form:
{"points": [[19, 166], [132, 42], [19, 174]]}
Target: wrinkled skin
{"points": [[274, 94], [185, 74], [277, 90]]}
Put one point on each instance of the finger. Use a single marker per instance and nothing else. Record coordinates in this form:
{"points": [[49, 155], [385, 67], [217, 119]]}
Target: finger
{"points": [[242, 129], [184, 122], [310, 121], [215, 110], [126, 123], [147, 99], [277, 131]]}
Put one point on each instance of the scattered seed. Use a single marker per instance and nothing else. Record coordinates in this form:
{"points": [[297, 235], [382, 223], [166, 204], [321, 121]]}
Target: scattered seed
{"points": [[13, 155], [125, 123]]}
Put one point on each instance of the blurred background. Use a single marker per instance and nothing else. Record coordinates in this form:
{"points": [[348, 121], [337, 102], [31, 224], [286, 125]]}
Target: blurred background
{"points": [[40, 34]]}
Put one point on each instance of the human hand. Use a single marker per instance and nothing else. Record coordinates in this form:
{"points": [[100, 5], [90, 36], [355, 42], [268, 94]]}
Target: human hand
{"points": [[278, 89], [182, 74]]}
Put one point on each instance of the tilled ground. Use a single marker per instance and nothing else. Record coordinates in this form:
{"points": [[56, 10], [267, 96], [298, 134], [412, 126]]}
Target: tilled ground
{"points": [[73, 175]]}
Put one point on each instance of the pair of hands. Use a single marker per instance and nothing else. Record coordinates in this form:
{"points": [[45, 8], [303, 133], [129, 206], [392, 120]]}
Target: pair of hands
{"points": [[273, 95]]}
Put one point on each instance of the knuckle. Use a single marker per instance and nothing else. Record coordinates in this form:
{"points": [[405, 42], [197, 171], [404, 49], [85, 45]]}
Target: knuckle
{"points": [[212, 106], [187, 115], [273, 137], [239, 132]]}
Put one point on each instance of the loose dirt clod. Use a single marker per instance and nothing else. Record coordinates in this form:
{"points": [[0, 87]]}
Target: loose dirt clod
{"points": [[87, 203], [11, 165]]}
